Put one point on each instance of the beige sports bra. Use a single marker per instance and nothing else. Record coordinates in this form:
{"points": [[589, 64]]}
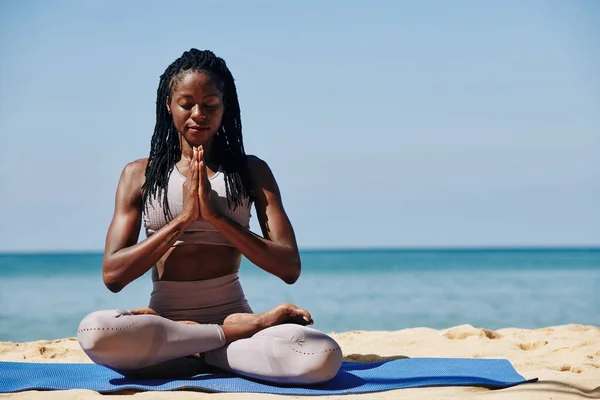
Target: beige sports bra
{"points": [[200, 231]]}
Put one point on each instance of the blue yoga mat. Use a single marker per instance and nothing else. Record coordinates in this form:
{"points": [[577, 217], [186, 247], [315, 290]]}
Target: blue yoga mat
{"points": [[353, 378]]}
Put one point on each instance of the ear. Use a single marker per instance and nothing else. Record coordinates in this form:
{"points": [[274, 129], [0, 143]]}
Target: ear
{"points": [[168, 101]]}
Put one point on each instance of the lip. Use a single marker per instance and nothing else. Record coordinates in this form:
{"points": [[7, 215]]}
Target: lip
{"points": [[197, 128]]}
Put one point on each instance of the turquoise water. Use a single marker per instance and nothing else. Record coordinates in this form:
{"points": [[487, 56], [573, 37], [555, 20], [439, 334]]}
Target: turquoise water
{"points": [[44, 296]]}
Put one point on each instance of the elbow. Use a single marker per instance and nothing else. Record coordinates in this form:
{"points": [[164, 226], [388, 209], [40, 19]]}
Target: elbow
{"points": [[111, 280], [290, 279], [112, 284], [293, 272], [114, 287]]}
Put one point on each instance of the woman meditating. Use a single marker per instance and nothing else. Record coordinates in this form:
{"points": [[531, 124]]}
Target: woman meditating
{"points": [[194, 194]]}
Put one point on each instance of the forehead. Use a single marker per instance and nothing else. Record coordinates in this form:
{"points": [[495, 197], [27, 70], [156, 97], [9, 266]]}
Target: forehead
{"points": [[189, 82]]}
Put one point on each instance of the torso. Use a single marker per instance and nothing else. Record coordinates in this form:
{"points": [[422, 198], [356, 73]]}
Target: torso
{"points": [[193, 262]]}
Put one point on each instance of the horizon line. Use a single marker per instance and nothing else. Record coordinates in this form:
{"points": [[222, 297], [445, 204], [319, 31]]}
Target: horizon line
{"points": [[357, 249]]}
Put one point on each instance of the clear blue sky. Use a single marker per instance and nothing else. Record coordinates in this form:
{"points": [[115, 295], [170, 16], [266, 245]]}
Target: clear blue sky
{"points": [[429, 123]]}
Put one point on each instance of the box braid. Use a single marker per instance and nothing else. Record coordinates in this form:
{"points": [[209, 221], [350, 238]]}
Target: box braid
{"points": [[228, 147]]}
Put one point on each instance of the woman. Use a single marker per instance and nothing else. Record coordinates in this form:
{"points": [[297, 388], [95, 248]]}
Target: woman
{"points": [[194, 193]]}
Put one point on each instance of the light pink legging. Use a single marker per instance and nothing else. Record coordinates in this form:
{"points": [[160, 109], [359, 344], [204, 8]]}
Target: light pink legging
{"points": [[153, 346]]}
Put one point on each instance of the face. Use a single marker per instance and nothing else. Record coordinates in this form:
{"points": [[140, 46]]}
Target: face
{"points": [[196, 105]]}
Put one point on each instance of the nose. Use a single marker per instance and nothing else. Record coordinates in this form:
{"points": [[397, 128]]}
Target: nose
{"points": [[197, 114]]}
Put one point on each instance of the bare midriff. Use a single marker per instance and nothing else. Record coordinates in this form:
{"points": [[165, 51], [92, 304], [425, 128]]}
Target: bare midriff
{"points": [[193, 262]]}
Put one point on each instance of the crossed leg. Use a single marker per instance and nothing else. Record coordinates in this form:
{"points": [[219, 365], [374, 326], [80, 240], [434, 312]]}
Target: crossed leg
{"points": [[261, 346]]}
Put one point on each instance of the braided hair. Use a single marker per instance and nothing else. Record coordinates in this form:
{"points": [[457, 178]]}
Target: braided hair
{"points": [[227, 147]]}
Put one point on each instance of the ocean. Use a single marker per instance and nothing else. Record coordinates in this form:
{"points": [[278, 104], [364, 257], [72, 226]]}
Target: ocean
{"points": [[44, 296]]}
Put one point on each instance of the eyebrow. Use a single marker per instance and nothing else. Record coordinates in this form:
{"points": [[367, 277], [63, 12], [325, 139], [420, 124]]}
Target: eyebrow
{"points": [[189, 96]]}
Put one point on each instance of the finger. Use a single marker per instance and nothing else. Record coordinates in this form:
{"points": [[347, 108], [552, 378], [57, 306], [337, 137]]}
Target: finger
{"points": [[191, 166], [205, 176], [195, 165], [195, 174], [202, 171]]}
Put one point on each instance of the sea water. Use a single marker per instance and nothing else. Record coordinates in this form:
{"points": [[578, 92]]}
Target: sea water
{"points": [[44, 296]]}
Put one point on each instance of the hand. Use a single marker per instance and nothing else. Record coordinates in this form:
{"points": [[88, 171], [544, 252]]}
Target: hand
{"points": [[191, 209], [207, 209]]}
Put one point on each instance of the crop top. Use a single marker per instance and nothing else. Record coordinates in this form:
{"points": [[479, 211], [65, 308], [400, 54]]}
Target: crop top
{"points": [[199, 231]]}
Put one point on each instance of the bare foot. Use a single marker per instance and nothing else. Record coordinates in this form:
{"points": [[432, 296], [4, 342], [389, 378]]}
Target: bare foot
{"points": [[149, 311], [283, 313], [143, 311]]}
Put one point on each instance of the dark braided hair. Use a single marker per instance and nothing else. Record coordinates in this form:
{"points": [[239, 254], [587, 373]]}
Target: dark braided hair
{"points": [[227, 147]]}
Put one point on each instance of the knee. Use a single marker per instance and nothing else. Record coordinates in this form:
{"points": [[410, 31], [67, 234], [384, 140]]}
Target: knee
{"points": [[100, 333], [314, 357], [321, 363]]}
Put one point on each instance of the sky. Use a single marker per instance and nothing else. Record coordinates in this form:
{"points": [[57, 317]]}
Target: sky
{"points": [[386, 124]]}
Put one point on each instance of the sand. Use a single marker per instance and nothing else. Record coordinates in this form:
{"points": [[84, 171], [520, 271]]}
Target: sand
{"points": [[566, 359]]}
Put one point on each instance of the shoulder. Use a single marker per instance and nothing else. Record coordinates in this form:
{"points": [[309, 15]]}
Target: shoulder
{"points": [[134, 174], [135, 170], [256, 164], [262, 176], [259, 170]]}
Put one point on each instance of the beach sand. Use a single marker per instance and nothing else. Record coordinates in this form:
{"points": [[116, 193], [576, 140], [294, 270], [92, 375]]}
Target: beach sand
{"points": [[566, 359]]}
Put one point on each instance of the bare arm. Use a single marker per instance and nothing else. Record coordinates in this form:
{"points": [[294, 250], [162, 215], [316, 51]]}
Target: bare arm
{"points": [[125, 259], [276, 253]]}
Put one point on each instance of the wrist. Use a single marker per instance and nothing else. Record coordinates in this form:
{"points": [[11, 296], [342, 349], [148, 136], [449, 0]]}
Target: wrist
{"points": [[213, 217], [183, 220]]}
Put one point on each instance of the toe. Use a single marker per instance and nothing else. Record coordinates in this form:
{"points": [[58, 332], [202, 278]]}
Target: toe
{"points": [[303, 314]]}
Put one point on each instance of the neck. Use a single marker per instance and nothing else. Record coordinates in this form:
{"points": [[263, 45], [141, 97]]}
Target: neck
{"points": [[209, 154]]}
